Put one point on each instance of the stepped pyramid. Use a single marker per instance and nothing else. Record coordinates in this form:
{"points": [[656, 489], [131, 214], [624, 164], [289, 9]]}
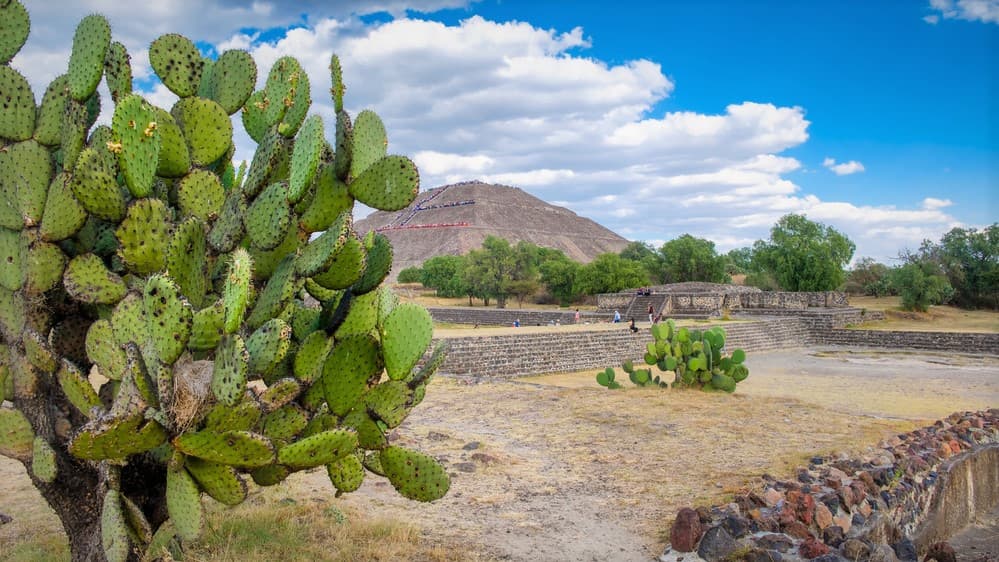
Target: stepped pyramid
{"points": [[456, 218]]}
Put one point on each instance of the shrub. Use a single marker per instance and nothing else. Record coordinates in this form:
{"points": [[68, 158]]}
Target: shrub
{"points": [[920, 286], [410, 275]]}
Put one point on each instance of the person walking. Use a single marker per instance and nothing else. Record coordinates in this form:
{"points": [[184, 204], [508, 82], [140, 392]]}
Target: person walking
{"points": [[576, 317], [652, 314], [617, 317]]}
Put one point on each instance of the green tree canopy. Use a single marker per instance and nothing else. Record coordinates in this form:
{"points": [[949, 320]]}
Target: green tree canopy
{"points": [[490, 270], [804, 255], [970, 258], [610, 273], [445, 274], [410, 275], [645, 254], [558, 275], [920, 284], [692, 259]]}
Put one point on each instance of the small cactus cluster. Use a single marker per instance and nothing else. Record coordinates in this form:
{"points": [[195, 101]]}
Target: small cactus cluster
{"points": [[695, 357], [231, 337]]}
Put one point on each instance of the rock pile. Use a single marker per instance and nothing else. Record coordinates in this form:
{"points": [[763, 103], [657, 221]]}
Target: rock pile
{"points": [[838, 508]]}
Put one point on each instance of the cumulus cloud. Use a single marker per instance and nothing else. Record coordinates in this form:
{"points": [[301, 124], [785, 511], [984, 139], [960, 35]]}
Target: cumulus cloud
{"points": [[932, 203], [516, 104], [844, 168], [972, 10]]}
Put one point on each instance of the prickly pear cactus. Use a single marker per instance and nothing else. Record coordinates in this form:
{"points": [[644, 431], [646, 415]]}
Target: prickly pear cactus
{"points": [[696, 359], [229, 341]]}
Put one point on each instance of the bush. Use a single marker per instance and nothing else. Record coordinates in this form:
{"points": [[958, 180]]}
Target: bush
{"points": [[920, 286], [410, 275], [762, 280]]}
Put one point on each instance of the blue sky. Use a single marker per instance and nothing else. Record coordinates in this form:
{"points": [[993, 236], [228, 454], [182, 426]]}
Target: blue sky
{"points": [[654, 118]]}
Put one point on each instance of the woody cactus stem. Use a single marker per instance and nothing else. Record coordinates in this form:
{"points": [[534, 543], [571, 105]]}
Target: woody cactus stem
{"points": [[137, 250]]}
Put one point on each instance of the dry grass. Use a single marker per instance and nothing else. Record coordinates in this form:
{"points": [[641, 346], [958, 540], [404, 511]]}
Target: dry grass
{"points": [[937, 319]]}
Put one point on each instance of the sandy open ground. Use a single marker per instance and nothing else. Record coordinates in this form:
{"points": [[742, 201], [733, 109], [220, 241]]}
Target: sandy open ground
{"points": [[558, 468]]}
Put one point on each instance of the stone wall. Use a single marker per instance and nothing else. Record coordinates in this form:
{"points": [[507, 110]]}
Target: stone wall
{"points": [[930, 341], [712, 302], [485, 316]]}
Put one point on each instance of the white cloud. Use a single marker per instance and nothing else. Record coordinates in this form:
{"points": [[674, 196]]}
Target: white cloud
{"points": [[516, 104], [972, 10], [932, 203], [844, 168]]}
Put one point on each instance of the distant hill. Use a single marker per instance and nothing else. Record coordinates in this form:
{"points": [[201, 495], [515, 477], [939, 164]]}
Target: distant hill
{"points": [[454, 219]]}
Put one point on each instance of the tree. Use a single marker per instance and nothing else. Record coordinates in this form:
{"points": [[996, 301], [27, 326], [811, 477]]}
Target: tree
{"points": [[970, 259], [651, 260], [142, 255], [410, 275], [559, 277], [490, 270], [445, 274], [609, 273], [739, 260], [804, 255], [869, 277], [920, 284], [692, 259]]}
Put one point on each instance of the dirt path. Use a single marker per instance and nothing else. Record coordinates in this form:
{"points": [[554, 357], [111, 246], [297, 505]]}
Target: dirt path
{"points": [[557, 468]]}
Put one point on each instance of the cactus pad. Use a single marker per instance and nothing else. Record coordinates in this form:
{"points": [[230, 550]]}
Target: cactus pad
{"points": [[319, 449], [301, 99], [32, 165], [200, 194], [63, 215], [378, 262], [144, 235], [241, 417], [389, 184], [232, 79], [305, 157], [104, 352], [228, 228], [311, 356], [14, 27], [285, 422], [186, 263], [362, 318], [266, 262], [336, 78], [236, 290], [414, 475], [218, 480], [137, 133], [280, 393], [95, 187], [344, 146], [43, 265], [174, 156], [268, 218], [114, 529], [349, 366], [48, 127], [77, 388], [319, 254], [268, 345], [406, 334], [270, 475], [86, 279], [279, 93], [370, 142], [177, 62], [16, 436], [206, 127], [12, 273], [111, 438], [37, 351], [43, 460], [388, 402], [118, 71], [276, 294], [86, 63], [254, 121], [346, 474], [235, 448], [169, 317], [229, 371], [330, 200], [183, 501]]}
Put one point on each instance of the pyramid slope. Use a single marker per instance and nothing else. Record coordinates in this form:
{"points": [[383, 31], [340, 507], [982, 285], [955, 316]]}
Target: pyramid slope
{"points": [[453, 219]]}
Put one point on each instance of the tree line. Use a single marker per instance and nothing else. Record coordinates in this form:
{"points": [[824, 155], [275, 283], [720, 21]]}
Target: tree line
{"points": [[799, 255]]}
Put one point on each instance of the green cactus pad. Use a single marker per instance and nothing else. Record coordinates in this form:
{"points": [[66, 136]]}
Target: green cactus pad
{"points": [[311, 356], [12, 314], [280, 91], [128, 320], [305, 157], [414, 475], [174, 156], [346, 474], [241, 449], [232, 79], [136, 131], [319, 449], [344, 146], [738, 356], [228, 228], [205, 84], [388, 402], [186, 260], [206, 327], [236, 291], [285, 422], [322, 294], [37, 351], [169, 317], [14, 27], [739, 373], [77, 388], [116, 438], [389, 184], [183, 501], [144, 235], [218, 480], [268, 345], [304, 320], [362, 318], [373, 464], [270, 475], [370, 142], [279, 393], [241, 417], [378, 264], [177, 62], [43, 460], [200, 194], [94, 186], [86, 63], [349, 366], [114, 530], [723, 382], [206, 127], [338, 88], [299, 108], [63, 215], [269, 217], [118, 71], [434, 363], [406, 334], [266, 262], [229, 371], [267, 154], [254, 121], [43, 265], [137, 521], [86, 279], [31, 165], [330, 200], [73, 132], [346, 268], [276, 295], [319, 254], [12, 273], [48, 126], [16, 436]]}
